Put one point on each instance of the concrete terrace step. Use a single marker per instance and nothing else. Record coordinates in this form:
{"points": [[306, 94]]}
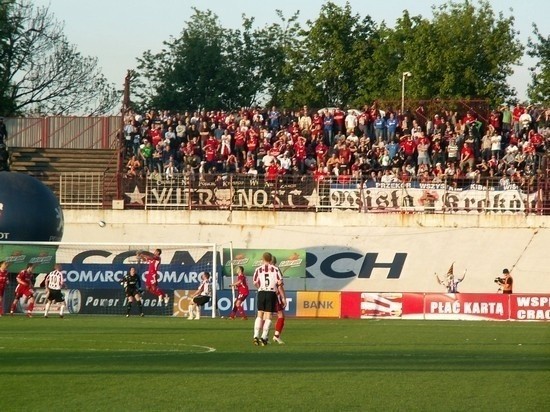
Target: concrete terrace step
{"points": [[48, 164]]}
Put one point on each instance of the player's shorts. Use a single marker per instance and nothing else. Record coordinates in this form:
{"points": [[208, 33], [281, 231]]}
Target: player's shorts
{"points": [[267, 301], [55, 295], [23, 291], [131, 292], [242, 296], [201, 300], [280, 307]]}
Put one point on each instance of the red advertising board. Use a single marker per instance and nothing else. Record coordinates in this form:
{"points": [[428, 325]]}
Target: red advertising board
{"points": [[529, 307], [351, 305], [413, 306], [466, 306]]}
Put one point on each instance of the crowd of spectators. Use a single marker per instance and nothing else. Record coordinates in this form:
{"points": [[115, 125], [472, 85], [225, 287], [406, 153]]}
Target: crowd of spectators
{"points": [[374, 143]]}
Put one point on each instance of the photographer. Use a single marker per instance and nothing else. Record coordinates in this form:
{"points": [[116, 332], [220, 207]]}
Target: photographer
{"points": [[506, 283]]}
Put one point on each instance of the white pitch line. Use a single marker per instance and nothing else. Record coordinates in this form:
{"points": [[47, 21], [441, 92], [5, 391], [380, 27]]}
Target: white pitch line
{"points": [[110, 353]]}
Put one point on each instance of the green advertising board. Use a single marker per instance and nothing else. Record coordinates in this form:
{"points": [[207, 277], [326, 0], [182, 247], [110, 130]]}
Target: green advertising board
{"points": [[292, 263], [18, 256]]}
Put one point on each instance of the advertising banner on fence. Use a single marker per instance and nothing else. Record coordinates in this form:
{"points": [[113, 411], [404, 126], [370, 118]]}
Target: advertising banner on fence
{"points": [[18, 256], [530, 307], [292, 263], [109, 276], [95, 302], [109, 301], [244, 193], [466, 306], [381, 305], [372, 305], [413, 306], [225, 303], [318, 304]]}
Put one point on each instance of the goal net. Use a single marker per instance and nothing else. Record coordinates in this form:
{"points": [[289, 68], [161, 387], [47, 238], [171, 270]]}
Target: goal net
{"points": [[93, 273]]}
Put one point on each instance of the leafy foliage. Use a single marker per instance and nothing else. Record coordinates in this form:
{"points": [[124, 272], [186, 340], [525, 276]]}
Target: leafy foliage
{"points": [[539, 91], [339, 59], [40, 71]]}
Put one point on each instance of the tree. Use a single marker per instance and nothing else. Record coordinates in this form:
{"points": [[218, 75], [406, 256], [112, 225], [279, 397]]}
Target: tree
{"points": [[207, 66], [329, 57], [539, 90], [463, 52], [215, 67], [40, 71], [279, 44]]}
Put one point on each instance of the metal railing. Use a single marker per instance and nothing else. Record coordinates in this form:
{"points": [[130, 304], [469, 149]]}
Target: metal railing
{"points": [[81, 190], [304, 193]]}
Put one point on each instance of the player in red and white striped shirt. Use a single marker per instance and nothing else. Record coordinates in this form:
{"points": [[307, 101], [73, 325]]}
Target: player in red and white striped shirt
{"points": [[269, 281], [54, 283]]}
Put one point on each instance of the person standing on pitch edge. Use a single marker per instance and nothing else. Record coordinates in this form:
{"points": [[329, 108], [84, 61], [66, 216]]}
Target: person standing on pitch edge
{"points": [[54, 283], [506, 283], [268, 280]]}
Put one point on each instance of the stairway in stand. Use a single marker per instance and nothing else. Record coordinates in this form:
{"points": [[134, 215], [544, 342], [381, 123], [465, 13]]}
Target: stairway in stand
{"points": [[48, 165]]}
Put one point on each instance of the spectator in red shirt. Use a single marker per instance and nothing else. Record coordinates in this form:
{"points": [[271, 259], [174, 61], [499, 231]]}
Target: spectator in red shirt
{"points": [[321, 151], [467, 156]]}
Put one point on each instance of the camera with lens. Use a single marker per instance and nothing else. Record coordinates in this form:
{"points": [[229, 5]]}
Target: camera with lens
{"points": [[499, 280]]}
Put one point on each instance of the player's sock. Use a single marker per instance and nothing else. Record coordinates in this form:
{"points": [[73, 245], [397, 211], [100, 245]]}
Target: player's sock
{"points": [[233, 312], [128, 307], [241, 311], [30, 307], [61, 309], [140, 306], [197, 312], [47, 308], [279, 326], [267, 324], [13, 306], [257, 327]]}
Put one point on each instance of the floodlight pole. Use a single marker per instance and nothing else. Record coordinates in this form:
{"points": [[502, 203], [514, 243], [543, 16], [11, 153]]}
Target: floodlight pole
{"points": [[405, 75]]}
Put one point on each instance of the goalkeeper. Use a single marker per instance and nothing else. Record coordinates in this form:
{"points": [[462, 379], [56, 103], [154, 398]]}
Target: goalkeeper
{"points": [[132, 288]]}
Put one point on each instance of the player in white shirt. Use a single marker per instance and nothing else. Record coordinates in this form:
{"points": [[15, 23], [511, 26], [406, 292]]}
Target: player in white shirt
{"points": [[201, 297], [54, 283], [269, 281]]}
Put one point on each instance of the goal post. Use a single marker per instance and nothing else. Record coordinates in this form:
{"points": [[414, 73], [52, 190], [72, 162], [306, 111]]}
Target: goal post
{"points": [[93, 274]]}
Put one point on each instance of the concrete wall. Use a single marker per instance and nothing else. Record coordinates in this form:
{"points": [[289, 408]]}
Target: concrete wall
{"points": [[351, 251]]}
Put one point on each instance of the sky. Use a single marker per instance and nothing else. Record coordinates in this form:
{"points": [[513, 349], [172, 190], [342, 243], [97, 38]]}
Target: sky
{"points": [[119, 31]]}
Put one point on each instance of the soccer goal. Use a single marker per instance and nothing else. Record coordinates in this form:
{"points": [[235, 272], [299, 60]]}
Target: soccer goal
{"points": [[93, 274]]}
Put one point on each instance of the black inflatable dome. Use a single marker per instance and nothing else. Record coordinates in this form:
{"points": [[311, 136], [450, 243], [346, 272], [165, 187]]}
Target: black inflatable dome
{"points": [[29, 211]]}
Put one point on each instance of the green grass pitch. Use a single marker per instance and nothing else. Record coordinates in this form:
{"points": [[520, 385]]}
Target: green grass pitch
{"points": [[110, 363]]}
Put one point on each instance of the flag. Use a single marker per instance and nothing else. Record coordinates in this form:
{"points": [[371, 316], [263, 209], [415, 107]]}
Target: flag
{"points": [[451, 270]]}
